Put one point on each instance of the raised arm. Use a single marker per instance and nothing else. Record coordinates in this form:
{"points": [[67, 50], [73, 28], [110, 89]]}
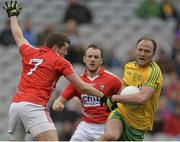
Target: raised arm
{"points": [[13, 11], [17, 32]]}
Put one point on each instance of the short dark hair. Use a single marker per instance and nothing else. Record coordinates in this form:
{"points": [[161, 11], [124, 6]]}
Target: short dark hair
{"points": [[150, 39], [58, 39], [94, 46]]}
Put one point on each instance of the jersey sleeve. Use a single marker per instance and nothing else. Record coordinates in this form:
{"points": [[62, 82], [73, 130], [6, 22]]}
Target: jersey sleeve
{"points": [[25, 49], [117, 85], [65, 67], [69, 92], [154, 75]]}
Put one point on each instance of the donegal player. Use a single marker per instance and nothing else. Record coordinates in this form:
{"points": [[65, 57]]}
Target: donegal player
{"points": [[131, 124]]}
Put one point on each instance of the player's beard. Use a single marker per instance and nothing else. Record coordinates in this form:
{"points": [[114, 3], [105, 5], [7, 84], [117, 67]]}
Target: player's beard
{"points": [[93, 70]]}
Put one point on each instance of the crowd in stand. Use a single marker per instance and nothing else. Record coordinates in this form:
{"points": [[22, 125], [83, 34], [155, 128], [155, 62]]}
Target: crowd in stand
{"points": [[168, 115]]}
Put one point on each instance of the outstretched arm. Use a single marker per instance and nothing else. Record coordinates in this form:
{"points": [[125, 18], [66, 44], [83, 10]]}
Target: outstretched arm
{"points": [[13, 11], [83, 86], [17, 32]]}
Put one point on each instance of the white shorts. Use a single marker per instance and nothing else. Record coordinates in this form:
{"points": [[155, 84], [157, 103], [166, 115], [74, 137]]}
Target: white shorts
{"points": [[88, 131], [25, 117]]}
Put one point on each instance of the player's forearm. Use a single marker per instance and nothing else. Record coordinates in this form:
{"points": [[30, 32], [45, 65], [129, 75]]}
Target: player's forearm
{"points": [[16, 30], [134, 99], [83, 86], [89, 89]]}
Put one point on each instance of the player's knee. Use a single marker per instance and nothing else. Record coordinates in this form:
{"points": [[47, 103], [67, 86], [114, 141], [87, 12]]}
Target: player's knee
{"points": [[49, 135], [111, 136]]}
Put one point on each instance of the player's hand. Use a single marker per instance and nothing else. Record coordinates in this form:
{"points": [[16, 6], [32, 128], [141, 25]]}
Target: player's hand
{"points": [[103, 100], [111, 105], [12, 8], [57, 105]]}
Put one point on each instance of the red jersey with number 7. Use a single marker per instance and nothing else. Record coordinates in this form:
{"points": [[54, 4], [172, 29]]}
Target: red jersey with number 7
{"points": [[41, 69]]}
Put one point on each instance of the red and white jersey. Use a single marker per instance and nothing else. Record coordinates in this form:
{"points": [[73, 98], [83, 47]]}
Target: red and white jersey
{"points": [[42, 68], [105, 82]]}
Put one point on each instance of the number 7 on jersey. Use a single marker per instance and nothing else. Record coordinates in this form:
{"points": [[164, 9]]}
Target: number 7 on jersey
{"points": [[36, 62]]}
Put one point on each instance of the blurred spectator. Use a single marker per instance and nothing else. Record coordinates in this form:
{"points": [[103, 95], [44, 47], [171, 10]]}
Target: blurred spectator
{"points": [[172, 89], [177, 61], [75, 54], [176, 44], [80, 13], [168, 112], [6, 38], [41, 37], [131, 55], [71, 29], [148, 8], [75, 51], [112, 60], [28, 33], [168, 10], [177, 30], [164, 61], [172, 121], [160, 115]]}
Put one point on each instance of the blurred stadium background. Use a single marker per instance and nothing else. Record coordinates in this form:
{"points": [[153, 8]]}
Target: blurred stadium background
{"points": [[116, 27]]}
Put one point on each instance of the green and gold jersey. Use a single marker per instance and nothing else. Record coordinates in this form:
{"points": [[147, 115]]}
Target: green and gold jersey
{"points": [[142, 117]]}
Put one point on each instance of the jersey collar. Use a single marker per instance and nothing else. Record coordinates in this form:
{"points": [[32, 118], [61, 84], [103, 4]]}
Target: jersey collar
{"points": [[101, 71], [45, 48]]}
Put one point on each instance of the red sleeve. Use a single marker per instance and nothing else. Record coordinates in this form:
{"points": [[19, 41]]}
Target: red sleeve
{"points": [[69, 92], [117, 85], [25, 48], [65, 67]]}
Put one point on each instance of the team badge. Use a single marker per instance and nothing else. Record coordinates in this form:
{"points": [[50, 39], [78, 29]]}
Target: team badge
{"points": [[101, 88]]}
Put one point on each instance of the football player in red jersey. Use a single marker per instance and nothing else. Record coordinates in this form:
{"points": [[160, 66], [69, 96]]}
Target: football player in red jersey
{"points": [[93, 114], [42, 68]]}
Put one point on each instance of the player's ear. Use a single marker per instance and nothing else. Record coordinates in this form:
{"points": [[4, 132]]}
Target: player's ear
{"points": [[54, 47], [101, 61], [84, 59]]}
